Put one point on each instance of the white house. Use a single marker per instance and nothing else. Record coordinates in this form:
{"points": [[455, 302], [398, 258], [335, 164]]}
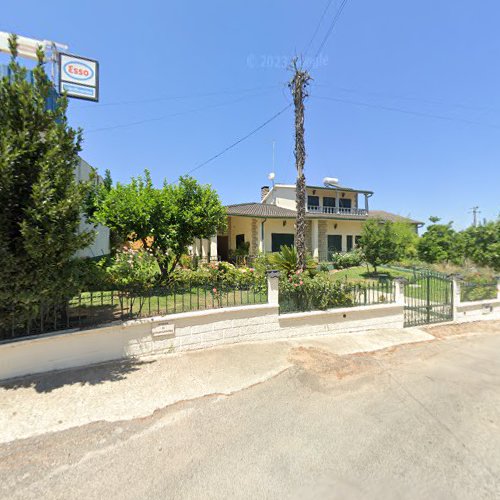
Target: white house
{"points": [[334, 216]]}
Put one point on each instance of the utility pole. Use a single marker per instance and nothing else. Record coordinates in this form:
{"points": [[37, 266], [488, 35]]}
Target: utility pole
{"points": [[298, 86], [475, 211]]}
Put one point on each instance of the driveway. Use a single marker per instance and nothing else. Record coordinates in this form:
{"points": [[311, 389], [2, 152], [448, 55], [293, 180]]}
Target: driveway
{"points": [[418, 420]]}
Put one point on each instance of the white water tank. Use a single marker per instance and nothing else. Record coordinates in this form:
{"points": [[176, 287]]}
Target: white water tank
{"points": [[330, 181]]}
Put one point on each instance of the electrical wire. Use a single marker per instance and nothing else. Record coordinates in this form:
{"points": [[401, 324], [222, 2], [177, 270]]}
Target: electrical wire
{"points": [[335, 19], [406, 111], [317, 28], [231, 146], [173, 98], [438, 102], [171, 115]]}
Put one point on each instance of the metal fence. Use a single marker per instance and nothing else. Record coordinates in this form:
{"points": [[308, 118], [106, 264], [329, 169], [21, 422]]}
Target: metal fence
{"points": [[340, 294], [470, 291], [90, 309]]}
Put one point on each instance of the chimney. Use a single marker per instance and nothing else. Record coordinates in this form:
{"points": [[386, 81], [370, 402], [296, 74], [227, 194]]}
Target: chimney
{"points": [[263, 191]]}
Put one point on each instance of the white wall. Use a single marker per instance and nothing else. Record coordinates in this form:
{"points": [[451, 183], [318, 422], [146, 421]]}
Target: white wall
{"points": [[276, 226], [100, 245], [186, 331]]}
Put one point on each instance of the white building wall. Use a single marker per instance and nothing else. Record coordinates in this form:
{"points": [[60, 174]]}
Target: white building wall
{"points": [[100, 245]]}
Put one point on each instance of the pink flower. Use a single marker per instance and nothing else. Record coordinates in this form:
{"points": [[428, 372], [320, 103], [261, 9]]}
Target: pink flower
{"points": [[215, 290], [251, 269], [301, 282], [295, 284]]}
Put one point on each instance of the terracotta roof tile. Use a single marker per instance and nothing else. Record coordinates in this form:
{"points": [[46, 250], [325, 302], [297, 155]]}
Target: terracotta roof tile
{"points": [[264, 210]]}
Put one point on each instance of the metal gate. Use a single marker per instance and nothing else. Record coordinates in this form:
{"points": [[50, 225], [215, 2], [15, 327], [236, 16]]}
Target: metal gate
{"points": [[428, 299]]}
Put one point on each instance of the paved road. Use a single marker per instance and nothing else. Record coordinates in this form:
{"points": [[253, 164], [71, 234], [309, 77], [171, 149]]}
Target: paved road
{"points": [[415, 421]]}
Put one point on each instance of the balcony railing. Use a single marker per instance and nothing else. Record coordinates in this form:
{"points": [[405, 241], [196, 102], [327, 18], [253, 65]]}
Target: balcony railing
{"points": [[336, 210]]}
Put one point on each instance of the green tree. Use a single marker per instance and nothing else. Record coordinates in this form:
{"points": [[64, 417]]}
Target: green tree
{"points": [[439, 243], [41, 202], [383, 242], [167, 219], [184, 211], [482, 244], [126, 209]]}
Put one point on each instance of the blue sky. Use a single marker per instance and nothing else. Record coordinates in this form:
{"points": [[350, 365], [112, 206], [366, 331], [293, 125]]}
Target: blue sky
{"points": [[405, 99]]}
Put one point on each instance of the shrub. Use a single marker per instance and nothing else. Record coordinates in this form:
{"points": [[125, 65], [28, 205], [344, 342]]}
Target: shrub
{"points": [[345, 260], [323, 267], [221, 275], [302, 292], [286, 260], [133, 269], [92, 273]]}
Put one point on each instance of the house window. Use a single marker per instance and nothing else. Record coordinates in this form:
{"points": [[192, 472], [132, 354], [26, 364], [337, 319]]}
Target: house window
{"points": [[240, 241], [313, 202], [334, 243], [328, 201], [345, 202], [357, 240], [349, 242], [281, 239]]}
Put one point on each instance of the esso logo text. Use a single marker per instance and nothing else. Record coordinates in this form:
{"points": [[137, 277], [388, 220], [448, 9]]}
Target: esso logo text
{"points": [[78, 70]]}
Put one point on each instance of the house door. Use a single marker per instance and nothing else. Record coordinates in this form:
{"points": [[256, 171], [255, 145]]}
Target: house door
{"points": [[223, 247], [280, 239], [334, 243]]}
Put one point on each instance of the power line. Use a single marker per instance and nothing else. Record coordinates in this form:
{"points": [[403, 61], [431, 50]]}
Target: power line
{"points": [[406, 111], [173, 98], [317, 27], [335, 19], [171, 115], [409, 98], [254, 131]]}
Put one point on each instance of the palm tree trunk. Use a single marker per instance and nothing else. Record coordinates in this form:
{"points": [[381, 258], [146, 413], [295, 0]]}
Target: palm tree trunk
{"points": [[298, 86]]}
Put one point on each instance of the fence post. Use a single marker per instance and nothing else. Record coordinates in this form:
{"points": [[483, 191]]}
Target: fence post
{"points": [[273, 287], [455, 294], [399, 291], [498, 287]]}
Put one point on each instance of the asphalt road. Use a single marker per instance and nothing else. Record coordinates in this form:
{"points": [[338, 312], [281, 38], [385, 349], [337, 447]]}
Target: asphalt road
{"points": [[416, 421]]}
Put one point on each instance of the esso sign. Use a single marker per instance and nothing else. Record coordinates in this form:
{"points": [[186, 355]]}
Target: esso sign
{"points": [[78, 70], [79, 77]]}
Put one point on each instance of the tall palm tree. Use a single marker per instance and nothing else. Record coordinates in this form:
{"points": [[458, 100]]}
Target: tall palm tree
{"points": [[298, 86]]}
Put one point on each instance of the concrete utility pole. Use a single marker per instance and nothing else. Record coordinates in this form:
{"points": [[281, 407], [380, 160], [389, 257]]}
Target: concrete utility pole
{"points": [[475, 211], [298, 86]]}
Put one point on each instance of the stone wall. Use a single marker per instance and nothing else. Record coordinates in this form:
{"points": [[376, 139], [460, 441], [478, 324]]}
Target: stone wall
{"points": [[254, 245], [322, 239]]}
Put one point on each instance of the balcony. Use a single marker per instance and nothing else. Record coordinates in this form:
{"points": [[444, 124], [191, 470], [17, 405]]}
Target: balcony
{"points": [[337, 210]]}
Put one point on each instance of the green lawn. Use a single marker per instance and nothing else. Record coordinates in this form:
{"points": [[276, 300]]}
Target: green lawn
{"points": [[108, 305], [360, 274]]}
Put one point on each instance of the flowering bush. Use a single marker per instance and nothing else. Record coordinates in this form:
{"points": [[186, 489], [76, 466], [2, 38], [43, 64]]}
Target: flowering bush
{"points": [[221, 275], [133, 269], [345, 260]]}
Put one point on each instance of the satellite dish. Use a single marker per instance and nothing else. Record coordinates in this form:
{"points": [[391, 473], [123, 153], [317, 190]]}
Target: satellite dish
{"points": [[271, 176]]}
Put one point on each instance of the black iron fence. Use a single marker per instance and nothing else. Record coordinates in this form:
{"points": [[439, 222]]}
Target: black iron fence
{"points": [[470, 291], [337, 294], [94, 308]]}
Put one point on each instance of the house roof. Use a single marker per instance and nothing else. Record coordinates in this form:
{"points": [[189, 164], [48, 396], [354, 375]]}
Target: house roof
{"points": [[260, 210], [263, 210], [382, 214]]}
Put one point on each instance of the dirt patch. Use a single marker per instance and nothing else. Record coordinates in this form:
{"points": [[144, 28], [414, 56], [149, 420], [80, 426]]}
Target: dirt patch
{"points": [[325, 363], [460, 329]]}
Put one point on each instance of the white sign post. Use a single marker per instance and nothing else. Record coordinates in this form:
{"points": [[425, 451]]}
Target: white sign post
{"points": [[79, 77]]}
